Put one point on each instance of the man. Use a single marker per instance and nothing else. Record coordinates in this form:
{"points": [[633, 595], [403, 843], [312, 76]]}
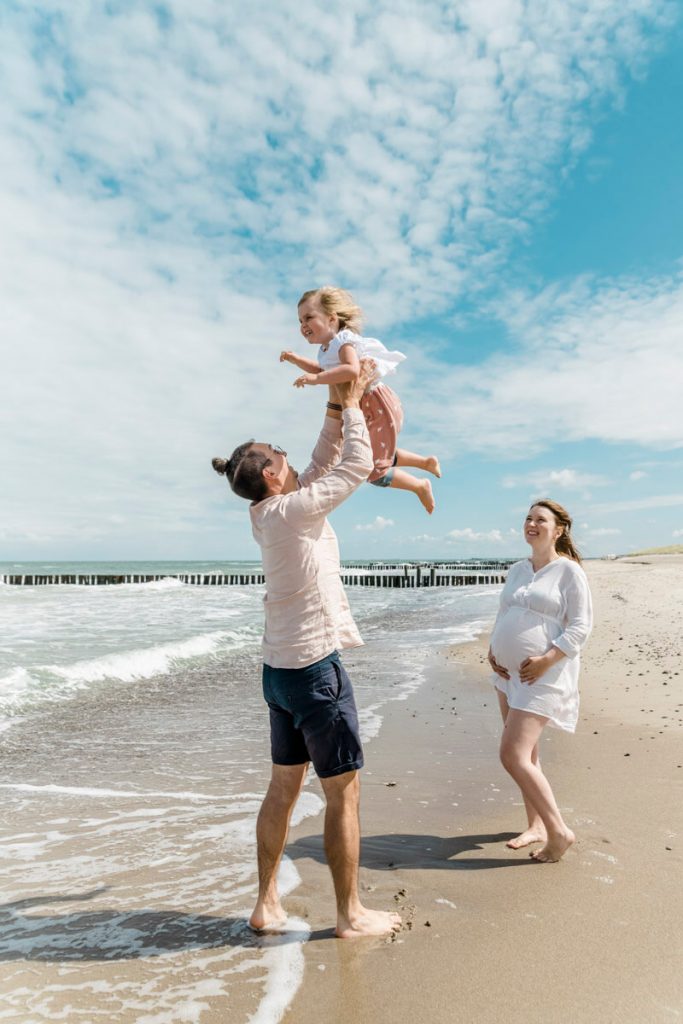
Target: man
{"points": [[307, 618]]}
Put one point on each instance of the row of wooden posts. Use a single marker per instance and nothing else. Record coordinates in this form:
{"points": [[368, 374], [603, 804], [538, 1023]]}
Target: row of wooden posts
{"points": [[399, 577]]}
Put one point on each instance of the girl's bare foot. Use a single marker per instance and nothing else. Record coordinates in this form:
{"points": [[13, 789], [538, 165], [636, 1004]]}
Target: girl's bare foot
{"points": [[432, 466], [526, 838], [267, 917], [424, 493], [554, 848], [367, 922]]}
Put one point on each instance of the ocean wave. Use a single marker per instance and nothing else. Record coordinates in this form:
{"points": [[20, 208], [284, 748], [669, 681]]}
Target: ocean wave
{"points": [[130, 666], [167, 583], [142, 795], [22, 687]]}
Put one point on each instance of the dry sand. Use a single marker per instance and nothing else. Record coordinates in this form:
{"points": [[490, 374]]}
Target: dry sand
{"points": [[490, 935]]}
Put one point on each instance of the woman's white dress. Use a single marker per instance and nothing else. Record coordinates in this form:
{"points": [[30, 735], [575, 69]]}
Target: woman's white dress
{"points": [[538, 610]]}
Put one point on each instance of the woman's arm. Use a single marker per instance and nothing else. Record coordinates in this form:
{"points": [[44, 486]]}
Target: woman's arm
{"points": [[347, 371], [578, 619], [577, 626]]}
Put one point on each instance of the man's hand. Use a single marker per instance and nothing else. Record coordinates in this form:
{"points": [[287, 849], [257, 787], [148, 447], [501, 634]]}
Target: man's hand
{"points": [[498, 669], [304, 379], [350, 392]]}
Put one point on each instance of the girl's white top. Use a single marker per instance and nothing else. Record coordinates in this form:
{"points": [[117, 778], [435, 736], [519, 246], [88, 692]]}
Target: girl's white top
{"points": [[366, 348], [540, 610]]}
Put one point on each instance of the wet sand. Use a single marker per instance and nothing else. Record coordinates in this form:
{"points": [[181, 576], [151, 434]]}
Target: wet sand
{"points": [[488, 934]]}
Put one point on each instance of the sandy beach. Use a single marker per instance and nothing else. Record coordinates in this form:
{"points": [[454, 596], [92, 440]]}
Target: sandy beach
{"points": [[130, 922], [490, 935]]}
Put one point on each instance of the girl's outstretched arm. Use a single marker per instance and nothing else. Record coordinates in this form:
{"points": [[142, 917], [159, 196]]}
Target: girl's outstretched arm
{"points": [[348, 370], [309, 365]]}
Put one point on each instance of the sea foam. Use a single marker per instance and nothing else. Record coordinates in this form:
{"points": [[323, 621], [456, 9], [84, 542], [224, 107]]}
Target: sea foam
{"points": [[21, 688]]}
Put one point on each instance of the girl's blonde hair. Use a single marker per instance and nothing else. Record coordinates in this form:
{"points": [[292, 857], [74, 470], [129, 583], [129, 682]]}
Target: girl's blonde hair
{"points": [[564, 545], [336, 302]]}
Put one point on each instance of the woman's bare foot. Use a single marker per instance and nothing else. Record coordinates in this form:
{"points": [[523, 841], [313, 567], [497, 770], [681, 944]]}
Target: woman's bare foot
{"points": [[554, 848], [526, 838], [267, 917], [367, 922], [432, 466], [424, 493]]}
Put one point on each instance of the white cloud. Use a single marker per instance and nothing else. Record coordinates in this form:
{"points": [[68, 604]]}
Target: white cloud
{"points": [[604, 531], [638, 504], [677, 533], [588, 358], [469, 535], [407, 147], [548, 480], [637, 474], [379, 523]]}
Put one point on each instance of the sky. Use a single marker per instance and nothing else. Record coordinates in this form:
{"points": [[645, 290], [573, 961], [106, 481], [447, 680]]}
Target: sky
{"points": [[497, 183]]}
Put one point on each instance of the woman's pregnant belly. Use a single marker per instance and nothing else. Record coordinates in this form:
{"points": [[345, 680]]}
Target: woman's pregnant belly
{"points": [[519, 634]]}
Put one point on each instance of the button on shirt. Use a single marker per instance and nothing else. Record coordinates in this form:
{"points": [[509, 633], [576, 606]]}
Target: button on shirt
{"points": [[307, 614]]}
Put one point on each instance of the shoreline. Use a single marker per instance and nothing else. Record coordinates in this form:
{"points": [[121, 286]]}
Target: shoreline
{"points": [[600, 930]]}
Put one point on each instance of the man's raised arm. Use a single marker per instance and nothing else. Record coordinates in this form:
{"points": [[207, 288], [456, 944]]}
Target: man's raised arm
{"points": [[323, 489], [328, 446]]}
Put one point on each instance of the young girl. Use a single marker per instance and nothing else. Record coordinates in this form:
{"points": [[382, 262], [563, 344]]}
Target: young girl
{"points": [[330, 319]]}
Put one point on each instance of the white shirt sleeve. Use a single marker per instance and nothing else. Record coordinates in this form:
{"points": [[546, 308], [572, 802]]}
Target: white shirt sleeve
{"points": [[315, 501], [325, 454], [578, 620]]}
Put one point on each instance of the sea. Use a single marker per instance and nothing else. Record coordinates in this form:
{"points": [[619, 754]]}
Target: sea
{"points": [[134, 744]]}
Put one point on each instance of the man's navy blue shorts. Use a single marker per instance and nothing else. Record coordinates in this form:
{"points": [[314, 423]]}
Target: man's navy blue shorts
{"points": [[313, 717]]}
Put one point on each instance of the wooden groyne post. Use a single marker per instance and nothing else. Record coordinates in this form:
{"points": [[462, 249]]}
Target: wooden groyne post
{"points": [[381, 575]]}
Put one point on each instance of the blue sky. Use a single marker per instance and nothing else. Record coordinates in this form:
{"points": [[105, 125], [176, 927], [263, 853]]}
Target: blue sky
{"points": [[498, 184]]}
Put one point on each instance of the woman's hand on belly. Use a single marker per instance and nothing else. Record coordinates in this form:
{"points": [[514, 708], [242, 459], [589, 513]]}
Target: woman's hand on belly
{"points": [[498, 669], [532, 669]]}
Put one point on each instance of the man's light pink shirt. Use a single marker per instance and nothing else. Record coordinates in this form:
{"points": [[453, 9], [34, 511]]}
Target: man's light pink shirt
{"points": [[307, 611]]}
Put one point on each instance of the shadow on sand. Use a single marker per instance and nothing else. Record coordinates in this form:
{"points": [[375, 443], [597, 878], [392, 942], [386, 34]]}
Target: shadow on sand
{"points": [[88, 935], [405, 850]]}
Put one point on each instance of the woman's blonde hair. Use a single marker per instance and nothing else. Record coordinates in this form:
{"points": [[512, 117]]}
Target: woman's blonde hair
{"points": [[336, 302], [564, 545]]}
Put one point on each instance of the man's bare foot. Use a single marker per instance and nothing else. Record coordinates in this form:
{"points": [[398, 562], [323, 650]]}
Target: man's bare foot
{"points": [[432, 466], [526, 838], [554, 848], [424, 493], [267, 917], [367, 922]]}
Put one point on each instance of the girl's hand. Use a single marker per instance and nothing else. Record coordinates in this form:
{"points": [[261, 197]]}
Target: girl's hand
{"points": [[498, 669], [306, 378], [286, 357]]}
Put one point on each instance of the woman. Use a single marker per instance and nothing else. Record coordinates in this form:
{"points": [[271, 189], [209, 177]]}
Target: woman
{"points": [[544, 620]]}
